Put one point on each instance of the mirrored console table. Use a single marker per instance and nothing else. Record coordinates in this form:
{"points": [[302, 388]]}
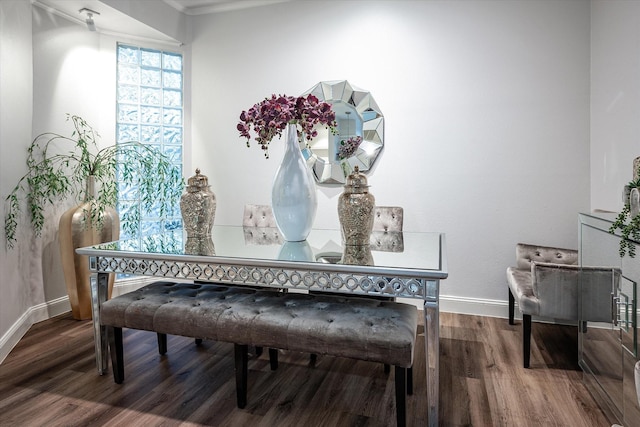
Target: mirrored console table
{"points": [[233, 255], [608, 332]]}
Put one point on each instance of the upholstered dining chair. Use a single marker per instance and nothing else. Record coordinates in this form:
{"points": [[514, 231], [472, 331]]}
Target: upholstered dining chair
{"points": [[259, 225], [545, 283], [386, 235], [388, 218], [258, 216]]}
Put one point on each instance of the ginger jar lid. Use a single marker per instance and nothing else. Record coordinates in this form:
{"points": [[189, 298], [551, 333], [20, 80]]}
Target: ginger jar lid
{"points": [[198, 182], [356, 182]]}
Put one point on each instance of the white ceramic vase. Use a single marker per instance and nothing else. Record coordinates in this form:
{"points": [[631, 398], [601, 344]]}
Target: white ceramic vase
{"points": [[293, 196], [296, 251]]}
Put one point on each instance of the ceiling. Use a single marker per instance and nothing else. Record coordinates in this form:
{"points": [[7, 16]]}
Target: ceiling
{"points": [[201, 7], [110, 20]]}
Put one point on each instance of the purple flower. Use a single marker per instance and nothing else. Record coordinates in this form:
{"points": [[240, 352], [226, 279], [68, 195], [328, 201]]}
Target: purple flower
{"points": [[271, 116], [348, 147]]}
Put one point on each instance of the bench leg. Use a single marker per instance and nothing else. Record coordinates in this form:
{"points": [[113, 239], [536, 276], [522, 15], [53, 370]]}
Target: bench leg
{"points": [[273, 358], [401, 396], [241, 360], [526, 339], [387, 368], [410, 381], [117, 353], [512, 309], [162, 343]]}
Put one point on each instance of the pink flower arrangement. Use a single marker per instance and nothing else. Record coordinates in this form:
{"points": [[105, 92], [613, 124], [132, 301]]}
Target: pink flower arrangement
{"points": [[271, 116], [348, 146]]}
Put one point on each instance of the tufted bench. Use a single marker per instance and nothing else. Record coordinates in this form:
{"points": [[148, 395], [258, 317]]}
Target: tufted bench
{"points": [[357, 328]]}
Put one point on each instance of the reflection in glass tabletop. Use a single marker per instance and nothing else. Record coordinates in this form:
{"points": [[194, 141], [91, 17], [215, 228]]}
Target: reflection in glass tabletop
{"points": [[417, 251]]}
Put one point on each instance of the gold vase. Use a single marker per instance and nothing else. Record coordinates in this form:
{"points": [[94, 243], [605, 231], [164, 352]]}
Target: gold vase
{"points": [[76, 231]]}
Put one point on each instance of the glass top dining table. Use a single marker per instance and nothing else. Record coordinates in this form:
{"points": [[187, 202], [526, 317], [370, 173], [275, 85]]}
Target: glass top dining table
{"points": [[395, 264]]}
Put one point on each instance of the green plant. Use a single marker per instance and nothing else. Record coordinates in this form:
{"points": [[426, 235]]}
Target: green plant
{"points": [[629, 227], [59, 168]]}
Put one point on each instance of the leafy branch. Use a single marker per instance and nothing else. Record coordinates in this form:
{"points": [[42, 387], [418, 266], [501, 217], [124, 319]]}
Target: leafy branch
{"points": [[56, 173], [630, 231]]}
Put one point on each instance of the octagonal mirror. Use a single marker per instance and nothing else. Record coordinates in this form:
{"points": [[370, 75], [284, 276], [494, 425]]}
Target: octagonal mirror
{"points": [[360, 137]]}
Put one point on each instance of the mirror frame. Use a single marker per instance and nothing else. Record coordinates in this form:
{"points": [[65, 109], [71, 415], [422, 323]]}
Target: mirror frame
{"points": [[328, 171]]}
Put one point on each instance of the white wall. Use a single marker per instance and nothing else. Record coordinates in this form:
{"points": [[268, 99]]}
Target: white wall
{"points": [[615, 99], [15, 134], [486, 107]]}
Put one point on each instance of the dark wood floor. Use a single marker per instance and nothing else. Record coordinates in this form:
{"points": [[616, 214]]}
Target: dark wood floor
{"points": [[50, 379]]}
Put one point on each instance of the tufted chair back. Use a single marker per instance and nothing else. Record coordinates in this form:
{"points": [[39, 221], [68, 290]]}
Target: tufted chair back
{"points": [[387, 229], [258, 216], [525, 254], [259, 225], [388, 218]]}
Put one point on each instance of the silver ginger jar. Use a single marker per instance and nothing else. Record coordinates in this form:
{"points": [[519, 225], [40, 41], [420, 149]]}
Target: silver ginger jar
{"points": [[355, 210], [198, 207]]}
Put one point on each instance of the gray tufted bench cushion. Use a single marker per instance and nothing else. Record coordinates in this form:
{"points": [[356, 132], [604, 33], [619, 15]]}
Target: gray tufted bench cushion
{"points": [[357, 328]]}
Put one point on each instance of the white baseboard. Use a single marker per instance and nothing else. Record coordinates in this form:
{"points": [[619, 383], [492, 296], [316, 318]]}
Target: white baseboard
{"points": [[33, 315], [474, 306]]}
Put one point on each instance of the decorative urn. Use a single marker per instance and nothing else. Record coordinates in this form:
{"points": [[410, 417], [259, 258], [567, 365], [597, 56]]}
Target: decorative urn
{"points": [[357, 255], [200, 246], [355, 210], [198, 207]]}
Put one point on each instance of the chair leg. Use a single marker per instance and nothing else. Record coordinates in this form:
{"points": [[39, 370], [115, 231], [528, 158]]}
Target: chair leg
{"points": [[512, 303], [258, 351], [162, 343], [410, 381], [273, 358], [241, 360], [198, 341], [117, 353], [526, 339], [401, 396]]}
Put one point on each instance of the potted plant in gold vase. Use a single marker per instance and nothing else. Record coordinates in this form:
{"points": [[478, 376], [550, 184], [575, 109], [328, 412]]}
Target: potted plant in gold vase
{"points": [[61, 168]]}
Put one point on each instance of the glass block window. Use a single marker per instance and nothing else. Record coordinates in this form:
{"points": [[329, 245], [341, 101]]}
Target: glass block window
{"points": [[149, 109]]}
